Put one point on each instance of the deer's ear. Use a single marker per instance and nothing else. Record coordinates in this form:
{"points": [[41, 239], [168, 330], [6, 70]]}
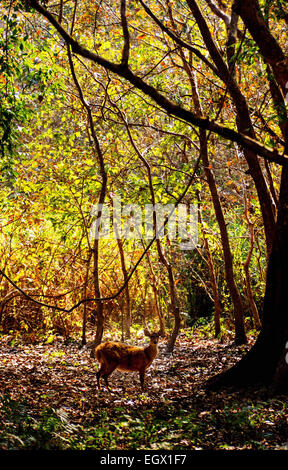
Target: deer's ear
{"points": [[147, 332]]}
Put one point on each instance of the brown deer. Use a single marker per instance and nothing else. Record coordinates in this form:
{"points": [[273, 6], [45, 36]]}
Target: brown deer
{"points": [[114, 355]]}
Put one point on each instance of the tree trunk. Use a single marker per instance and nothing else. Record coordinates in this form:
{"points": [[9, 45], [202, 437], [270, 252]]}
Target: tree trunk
{"points": [[127, 302], [156, 294], [244, 124], [84, 321], [216, 299], [266, 362], [253, 307], [240, 335], [174, 308]]}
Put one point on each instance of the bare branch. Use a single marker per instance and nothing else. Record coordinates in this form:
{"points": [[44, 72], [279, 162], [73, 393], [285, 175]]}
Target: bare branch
{"points": [[60, 11], [177, 39], [126, 48], [220, 13]]}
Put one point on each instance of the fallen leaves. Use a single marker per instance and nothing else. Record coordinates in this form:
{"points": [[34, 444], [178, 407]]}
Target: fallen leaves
{"points": [[59, 380]]}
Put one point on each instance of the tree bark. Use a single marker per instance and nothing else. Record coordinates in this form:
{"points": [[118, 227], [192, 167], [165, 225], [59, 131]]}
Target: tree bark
{"points": [[261, 363], [266, 362]]}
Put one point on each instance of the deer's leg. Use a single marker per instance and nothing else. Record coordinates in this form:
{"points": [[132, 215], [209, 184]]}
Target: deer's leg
{"points": [[105, 377], [108, 371], [99, 374]]}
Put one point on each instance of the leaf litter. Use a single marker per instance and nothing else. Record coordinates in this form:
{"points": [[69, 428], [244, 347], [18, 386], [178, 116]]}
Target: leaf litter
{"points": [[52, 388]]}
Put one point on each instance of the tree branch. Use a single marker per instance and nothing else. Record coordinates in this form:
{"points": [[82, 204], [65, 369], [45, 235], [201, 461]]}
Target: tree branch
{"points": [[126, 48], [171, 108], [178, 40], [251, 14], [220, 13]]}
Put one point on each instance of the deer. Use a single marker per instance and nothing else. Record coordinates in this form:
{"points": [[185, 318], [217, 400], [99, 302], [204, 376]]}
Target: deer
{"points": [[115, 355]]}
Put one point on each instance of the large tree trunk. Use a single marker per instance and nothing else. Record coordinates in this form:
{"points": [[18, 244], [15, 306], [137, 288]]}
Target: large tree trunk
{"points": [[266, 362]]}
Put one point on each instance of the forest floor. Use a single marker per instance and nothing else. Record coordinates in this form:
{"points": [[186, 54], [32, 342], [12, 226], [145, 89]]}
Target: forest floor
{"points": [[49, 400]]}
